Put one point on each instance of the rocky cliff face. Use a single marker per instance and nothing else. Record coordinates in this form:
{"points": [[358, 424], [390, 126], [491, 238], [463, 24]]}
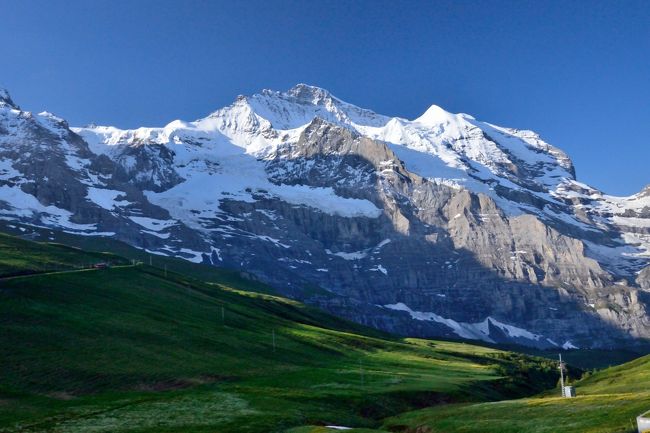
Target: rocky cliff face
{"points": [[643, 279], [440, 226]]}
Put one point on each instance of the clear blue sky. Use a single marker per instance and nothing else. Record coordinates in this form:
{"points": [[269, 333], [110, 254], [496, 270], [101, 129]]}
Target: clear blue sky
{"points": [[576, 72]]}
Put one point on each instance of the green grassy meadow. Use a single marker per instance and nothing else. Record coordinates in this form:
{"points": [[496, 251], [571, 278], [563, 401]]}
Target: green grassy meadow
{"points": [[607, 402], [134, 348]]}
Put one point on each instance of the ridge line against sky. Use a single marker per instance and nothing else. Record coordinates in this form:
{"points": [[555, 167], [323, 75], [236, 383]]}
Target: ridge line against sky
{"points": [[574, 72]]}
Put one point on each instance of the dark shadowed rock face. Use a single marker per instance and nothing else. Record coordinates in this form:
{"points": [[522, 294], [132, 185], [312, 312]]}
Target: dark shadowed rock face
{"points": [[441, 226]]}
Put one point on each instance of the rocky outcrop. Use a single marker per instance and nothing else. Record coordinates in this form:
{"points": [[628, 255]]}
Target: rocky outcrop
{"points": [[644, 278]]}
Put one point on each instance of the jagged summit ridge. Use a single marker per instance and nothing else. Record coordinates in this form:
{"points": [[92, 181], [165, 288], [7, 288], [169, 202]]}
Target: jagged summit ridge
{"points": [[457, 139], [516, 168], [306, 92]]}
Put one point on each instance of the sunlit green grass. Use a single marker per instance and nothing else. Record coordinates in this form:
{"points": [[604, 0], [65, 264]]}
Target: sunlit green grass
{"points": [[137, 349], [607, 402]]}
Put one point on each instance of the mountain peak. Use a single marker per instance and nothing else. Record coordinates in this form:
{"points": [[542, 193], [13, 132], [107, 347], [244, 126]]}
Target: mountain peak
{"points": [[309, 93], [5, 98], [435, 115], [645, 192]]}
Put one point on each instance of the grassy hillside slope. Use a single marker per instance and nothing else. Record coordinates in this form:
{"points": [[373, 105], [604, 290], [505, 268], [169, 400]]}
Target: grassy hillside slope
{"points": [[90, 248], [138, 349], [20, 257], [607, 402]]}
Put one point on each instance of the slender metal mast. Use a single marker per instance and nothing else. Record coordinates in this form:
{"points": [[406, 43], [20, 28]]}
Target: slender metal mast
{"points": [[561, 374]]}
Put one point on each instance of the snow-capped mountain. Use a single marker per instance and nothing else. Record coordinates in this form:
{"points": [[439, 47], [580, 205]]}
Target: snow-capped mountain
{"points": [[438, 226]]}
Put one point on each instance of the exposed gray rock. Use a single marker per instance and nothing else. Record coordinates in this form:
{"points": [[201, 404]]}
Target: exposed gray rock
{"points": [[644, 278]]}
